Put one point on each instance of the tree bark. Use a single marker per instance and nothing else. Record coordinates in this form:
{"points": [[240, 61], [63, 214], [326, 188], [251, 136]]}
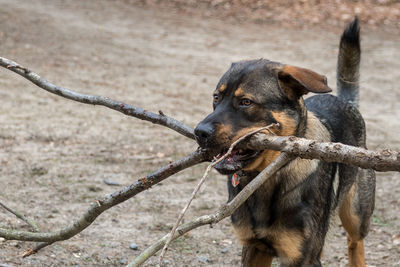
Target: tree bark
{"points": [[384, 160]]}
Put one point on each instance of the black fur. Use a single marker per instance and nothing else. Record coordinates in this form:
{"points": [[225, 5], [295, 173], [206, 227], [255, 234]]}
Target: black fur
{"points": [[348, 64]]}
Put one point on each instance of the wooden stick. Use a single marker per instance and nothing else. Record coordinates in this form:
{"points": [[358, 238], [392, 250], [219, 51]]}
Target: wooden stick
{"points": [[384, 160]]}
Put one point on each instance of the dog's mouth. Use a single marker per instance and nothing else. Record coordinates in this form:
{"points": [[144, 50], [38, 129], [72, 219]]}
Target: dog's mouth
{"points": [[235, 161]]}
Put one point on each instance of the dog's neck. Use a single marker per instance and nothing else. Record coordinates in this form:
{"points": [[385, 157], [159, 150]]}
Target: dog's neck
{"points": [[309, 127]]}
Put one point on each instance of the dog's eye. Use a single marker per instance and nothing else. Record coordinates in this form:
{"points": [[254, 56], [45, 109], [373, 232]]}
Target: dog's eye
{"points": [[245, 102], [216, 98]]}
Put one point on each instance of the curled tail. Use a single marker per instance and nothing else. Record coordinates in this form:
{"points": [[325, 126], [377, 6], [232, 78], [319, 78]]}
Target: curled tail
{"points": [[347, 77]]}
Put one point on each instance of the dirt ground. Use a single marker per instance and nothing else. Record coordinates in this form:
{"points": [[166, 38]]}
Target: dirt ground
{"points": [[301, 13], [55, 153]]}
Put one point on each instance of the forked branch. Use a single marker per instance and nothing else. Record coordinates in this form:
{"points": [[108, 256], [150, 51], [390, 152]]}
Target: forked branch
{"points": [[223, 212], [99, 206]]}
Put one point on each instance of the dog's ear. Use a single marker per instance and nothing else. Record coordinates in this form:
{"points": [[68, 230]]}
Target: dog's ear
{"points": [[296, 81]]}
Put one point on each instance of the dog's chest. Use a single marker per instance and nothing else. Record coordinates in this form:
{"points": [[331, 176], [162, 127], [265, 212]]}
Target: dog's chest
{"points": [[263, 219], [278, 202], [257, 213]]}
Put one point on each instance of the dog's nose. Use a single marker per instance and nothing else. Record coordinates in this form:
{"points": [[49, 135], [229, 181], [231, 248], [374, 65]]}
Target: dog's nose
{"points": [[203, 134]]}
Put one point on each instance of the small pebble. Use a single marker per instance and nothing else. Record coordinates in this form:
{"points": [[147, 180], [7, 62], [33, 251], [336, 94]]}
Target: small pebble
{"points": [[204, 259], [109, 182], [133, 246], [224, 250], [124, 261]]}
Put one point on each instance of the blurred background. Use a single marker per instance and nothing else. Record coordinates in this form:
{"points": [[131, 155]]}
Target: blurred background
{"points": [[166, 55], [291, 13]]}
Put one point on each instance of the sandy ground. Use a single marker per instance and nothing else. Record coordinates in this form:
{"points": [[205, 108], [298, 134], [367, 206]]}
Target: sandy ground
{"points": [[55, 153]]}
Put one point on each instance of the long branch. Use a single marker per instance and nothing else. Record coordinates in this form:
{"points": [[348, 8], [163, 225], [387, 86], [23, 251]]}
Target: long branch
{"points": [[107, 202], [383, 160], [98, 100], [223, 212]]}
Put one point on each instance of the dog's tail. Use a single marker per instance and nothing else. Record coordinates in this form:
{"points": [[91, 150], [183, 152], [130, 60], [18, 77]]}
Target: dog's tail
{"points": [[349, 64]]}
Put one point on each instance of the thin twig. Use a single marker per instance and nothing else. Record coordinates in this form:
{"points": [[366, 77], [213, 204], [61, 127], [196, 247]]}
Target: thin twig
{"points": [[99, 206], [197, 188], [129, 110], [223, 212], [21, 216]]}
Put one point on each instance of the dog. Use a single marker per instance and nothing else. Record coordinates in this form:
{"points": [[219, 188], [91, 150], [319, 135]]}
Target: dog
{"points": [[289, 216]]}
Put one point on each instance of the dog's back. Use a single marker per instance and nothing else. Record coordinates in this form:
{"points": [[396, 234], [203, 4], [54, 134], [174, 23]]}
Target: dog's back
{"points": [[340, 114], [356, 188]]}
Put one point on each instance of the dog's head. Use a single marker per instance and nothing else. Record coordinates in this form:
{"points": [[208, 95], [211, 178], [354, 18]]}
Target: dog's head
{"points": [[254, 94]]}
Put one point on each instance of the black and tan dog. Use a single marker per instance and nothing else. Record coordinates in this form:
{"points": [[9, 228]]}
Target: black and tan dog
{"points": [[289, 216]]}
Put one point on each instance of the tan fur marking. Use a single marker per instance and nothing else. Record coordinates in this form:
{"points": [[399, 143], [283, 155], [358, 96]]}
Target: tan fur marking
{"points": [[222, 88], [356, 253], [288, 125], [224, 132], [298, 170], [351, 222], [239, 91], [262, 161], [244, 233], [315, 129], [266, 156], [288, 245]]}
